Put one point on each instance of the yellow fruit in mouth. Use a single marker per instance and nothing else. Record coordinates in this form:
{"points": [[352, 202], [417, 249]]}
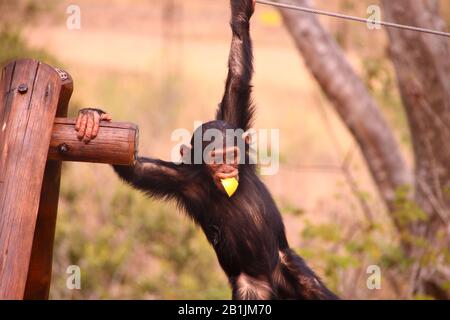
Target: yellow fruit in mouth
{"points": [[230, 185]]}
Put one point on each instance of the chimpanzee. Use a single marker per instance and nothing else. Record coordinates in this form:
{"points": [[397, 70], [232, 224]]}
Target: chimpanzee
{"points": [[241, 222]]}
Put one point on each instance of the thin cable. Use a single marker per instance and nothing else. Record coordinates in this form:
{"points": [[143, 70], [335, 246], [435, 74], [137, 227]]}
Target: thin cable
{"points": [[353, 18]]}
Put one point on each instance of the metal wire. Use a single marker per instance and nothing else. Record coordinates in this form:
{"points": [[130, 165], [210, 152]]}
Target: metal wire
{"points": [[353, 18]]}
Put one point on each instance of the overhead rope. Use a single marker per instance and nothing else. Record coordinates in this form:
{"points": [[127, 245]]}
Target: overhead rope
{"points": [[353, 18]]}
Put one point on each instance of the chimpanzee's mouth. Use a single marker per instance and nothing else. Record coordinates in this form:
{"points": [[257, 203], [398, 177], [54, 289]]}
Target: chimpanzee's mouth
{"points": [[228, 174], [227, 179]]}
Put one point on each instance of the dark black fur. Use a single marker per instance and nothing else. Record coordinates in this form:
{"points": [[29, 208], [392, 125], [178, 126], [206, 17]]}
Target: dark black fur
{"points": [[246, 230]]}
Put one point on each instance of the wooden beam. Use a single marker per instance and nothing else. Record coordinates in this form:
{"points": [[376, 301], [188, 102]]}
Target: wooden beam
{"points": [[116, 143]]}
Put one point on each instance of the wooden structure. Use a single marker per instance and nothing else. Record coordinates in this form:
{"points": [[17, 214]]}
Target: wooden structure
{"points": [[35, 137]]}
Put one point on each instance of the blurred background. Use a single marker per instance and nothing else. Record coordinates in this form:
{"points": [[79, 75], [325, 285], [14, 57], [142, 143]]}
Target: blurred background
{"points": [[162, 65]]}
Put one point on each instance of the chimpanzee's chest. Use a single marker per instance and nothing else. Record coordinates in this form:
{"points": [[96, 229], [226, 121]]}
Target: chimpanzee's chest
{"points": [[245, 230], [243, 234]]}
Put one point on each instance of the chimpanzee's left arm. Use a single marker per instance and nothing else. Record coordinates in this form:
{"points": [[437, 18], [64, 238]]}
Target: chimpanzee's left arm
{"points": [[155, 177], [236, 106]]}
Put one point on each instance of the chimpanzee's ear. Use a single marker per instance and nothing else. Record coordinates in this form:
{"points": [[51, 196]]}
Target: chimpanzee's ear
{"points": [[185, 152]]}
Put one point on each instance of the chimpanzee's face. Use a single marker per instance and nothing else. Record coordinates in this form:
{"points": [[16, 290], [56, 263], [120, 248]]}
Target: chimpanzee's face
{"points": [[218, 148], [222, 164]]}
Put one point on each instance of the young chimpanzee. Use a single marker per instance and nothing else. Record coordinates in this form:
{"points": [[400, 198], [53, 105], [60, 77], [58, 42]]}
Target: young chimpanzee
{"points": [[244, 226]]}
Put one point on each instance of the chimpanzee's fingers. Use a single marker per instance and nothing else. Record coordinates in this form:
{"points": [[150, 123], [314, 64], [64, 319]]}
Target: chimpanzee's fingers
{"points": [[105, 117], [96, 124], [89, 127], [82, 126], [78, 122]]}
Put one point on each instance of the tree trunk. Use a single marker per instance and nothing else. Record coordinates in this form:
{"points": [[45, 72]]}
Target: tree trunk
{"points": [[353, 102], [422, 65]]}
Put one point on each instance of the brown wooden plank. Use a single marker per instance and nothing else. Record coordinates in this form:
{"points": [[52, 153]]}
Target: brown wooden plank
{"points": [[7, 88], [40, 267], [116, 143], [27, 139], [16, 105], [5, 85]]}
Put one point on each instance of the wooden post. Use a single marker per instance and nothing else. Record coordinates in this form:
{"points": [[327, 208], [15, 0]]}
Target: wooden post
{"points": [[30, 94], [32, 145]]}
